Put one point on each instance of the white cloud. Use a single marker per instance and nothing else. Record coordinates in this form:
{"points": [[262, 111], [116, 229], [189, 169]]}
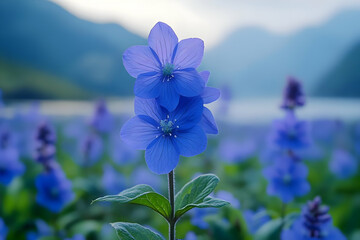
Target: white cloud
{"points": [[210, 20]]}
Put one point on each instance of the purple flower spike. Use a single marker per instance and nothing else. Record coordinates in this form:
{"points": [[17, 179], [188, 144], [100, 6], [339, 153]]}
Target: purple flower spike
{"points": [[314, 223], [166, 69], [102, 120], [293, 94]]}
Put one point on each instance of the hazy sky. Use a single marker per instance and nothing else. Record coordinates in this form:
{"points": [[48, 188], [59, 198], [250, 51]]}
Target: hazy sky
{"points": [[210, 20]]}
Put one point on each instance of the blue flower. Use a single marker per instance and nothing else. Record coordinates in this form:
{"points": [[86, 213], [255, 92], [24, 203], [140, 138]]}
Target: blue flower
{"points": [[90, 149], [122, 154], [102, 120], [199, 215], [287, 179], [314, 224], [54, 190], [166, 69], [227, 196], [42, 230], [3, 230], [209, 95], [343, 164], [166, 135], [232, 151], [141, 175], [190, 236], [255, 219], [293, 94], [10, 165], [113, 182], [290, 133]]}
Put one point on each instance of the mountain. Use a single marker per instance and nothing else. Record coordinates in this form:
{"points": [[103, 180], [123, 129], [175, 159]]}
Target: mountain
{"points": [[257, 63], [44, 36], [344, 79], [21, 82]]}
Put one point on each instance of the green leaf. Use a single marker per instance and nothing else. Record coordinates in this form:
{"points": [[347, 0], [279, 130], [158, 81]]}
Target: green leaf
{"points": [[142, 195], [134, 231], [195, 194], [270, 230]]}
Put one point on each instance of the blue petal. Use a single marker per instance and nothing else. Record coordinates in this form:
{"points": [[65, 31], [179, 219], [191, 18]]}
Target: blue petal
{"points": [[140, 59], [138, 133], [208, 122], [162, 155], [168, 97], [149, 107], [189, 53], [205, 76], [188, 82], [188, 113], [162, 39], [210, 95], [191, 142], [148, 85]]}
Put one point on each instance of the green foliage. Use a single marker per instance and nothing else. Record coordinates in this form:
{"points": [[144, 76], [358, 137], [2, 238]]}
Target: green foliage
{"points": [[142, 195], [19, 82], [195, 194], [134, 231]]}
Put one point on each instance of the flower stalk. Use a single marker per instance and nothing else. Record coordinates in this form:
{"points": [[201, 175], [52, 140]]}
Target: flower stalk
{"points": [[172, 221]]}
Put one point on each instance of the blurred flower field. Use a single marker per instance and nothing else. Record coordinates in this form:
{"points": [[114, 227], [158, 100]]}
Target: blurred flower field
{"points": [[92, 161]]}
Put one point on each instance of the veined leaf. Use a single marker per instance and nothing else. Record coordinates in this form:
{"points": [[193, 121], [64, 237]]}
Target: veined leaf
{"points": [[134, 231], [142, 195], [194, 194]]}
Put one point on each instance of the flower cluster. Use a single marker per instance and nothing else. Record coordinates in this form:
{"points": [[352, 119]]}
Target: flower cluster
{"points": [[3, 230], [10, 164], [314, 224], [171, 119], [54, 190], [287, 175]]}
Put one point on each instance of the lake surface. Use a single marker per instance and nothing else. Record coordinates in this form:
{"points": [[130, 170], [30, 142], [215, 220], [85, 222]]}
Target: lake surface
{"points": [[254, 111]]}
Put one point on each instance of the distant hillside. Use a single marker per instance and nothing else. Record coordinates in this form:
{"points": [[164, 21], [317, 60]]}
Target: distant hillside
{"points": [[257, 62], [19, 82], [41, 34], [344, 79]]}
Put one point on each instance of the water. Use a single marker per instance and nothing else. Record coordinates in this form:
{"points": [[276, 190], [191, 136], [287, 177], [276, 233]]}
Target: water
{"points": [[255, 111]]}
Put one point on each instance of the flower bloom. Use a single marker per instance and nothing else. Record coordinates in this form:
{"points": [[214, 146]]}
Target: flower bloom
{"points": [[3, 230], [10, 165], [166, 135], [293, 94], [287, 179], [166, 69], [343, 164], [42, 230], [255, 219], [113, 182], [314, 224], [54, 190]]}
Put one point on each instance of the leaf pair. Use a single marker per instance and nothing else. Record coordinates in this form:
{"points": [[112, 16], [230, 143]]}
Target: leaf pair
{"points": [[193, 194]]}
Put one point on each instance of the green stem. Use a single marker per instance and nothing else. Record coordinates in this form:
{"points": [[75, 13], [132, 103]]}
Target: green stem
{"points": [[172, 222]]}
